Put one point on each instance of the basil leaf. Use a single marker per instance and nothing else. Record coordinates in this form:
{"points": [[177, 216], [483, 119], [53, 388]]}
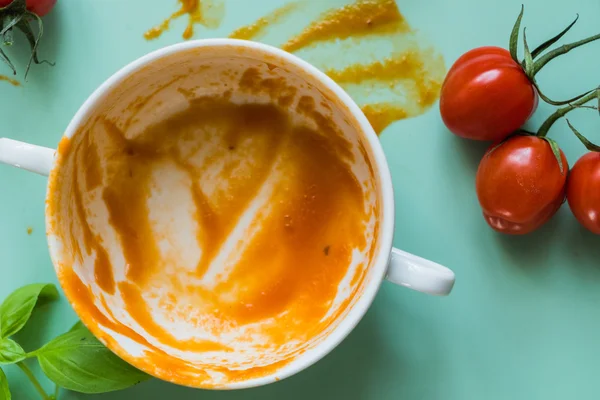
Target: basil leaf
{"points": [[17, 308], [10, 352], [4, 390], [78, 361]]}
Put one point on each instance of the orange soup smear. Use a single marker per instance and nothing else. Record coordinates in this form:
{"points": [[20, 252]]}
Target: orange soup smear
{"points": [[282, 273]]}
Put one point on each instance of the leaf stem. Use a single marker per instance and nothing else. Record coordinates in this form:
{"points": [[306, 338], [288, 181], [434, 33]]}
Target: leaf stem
{"points": [[561, 112], [542, 61], [542, 47], [33, 380]]}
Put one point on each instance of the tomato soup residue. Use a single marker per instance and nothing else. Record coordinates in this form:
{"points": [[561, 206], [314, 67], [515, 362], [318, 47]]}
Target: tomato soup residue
{"points": [[270, 217], [362, 18], [408, 80], [203, 12], [12, 81], [259, 27]]}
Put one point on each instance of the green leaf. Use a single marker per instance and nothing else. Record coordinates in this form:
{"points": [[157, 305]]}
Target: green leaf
{"points": [[564, 49], [11, 352], [4, 390], [528, 57], [17, 308], [514, 36], [10, 21], [6, 30], [5, 58], [556, 152], [540, 49], [588, 145], [78, 361]]}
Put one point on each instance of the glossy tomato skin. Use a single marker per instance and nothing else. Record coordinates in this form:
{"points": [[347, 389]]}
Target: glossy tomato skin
{"points": [[583, 191], [486, 95], [520, 185], [39, 7]]}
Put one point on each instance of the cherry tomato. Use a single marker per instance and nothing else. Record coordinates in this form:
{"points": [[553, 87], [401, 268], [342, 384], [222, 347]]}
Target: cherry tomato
{"points": [[39, 7], [583, 191], [520, 185], [486, 95]]}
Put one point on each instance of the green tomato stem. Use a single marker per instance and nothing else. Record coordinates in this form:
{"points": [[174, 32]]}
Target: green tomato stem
{"points": [[33, 380], [561, 112], [542, 61]]}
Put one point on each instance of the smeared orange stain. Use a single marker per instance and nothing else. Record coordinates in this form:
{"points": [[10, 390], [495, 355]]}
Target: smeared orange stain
{"points": [[29, 231], [12, 81], [139, 310], [282, 273], [362, 18], [383, 115], [82, 298], [193, 9], [259, 27], [64, 146], [368, 19], [102, 268]]}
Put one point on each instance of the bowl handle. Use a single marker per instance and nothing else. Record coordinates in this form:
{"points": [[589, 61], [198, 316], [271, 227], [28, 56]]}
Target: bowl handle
{"points": [[417, 273], [26, 156]]}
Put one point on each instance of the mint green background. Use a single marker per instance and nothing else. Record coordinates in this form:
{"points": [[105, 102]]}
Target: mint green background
{"points": [[523, 321]]}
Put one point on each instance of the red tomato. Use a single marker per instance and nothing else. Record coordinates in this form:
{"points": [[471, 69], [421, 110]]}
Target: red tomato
{"points": [[520, 185], [39, 7], [583, 191], [486, 95]]}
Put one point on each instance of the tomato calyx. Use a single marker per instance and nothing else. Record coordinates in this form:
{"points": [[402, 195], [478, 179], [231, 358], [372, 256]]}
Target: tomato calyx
{"points": [[16, 15], [588, 145], [551, 120], [560, 113], [535, 60]]}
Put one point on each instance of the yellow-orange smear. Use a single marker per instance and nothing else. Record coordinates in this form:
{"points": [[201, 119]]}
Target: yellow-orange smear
{"points": [[64, 146], [29, 231], [139, 310], [135, 107], [12, 81], [383, 115], [154, 359], [282, 272], [82, 299], [92, 167], [125, 197], [102, 268], [103, 272], [259, 27], [196, 15], [362, 18], [408, 66]]}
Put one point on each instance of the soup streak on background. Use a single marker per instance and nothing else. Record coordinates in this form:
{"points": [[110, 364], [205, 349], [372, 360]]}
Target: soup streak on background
{"points": [[390, 87], [283, 272]]}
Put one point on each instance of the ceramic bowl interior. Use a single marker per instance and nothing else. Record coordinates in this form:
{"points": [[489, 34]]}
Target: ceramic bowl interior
{"points": [[128, 255]]}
